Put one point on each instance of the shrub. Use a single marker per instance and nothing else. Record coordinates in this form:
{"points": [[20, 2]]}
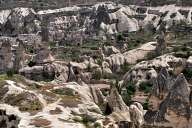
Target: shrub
{"points": [[89, 67], [10, 73], [31, 63], [97, 75], [131, 88], [52, 44], [99, 61], [188, 73], [30, 50], [151, 56], [125, 67], [126, 98], [146, 105], [97, 125], [145, 87], [120, 37]]}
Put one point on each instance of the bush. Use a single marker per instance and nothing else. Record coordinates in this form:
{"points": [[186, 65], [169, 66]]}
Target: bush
{"points": [[97, 125], [31, 63], [10, 73], [30, 50], [126, 98], [131, 88], [151, 56], [188, 73], [146, 105], [52, 44], [120, 37], [97, 75], [145, 87], [125, 67]]}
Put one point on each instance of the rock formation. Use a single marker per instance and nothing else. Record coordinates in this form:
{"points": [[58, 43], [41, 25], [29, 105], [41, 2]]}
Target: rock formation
{"points": [[161, 44], [116, 102], [161, 84], [6, 56], [175, 109], [8, 121]]}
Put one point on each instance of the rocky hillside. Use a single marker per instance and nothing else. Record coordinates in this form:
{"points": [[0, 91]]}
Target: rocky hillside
{"points": [[99, 65], [47, 4]]}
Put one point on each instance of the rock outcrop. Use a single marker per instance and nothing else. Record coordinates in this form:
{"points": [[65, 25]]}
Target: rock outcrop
{"points": [[74, 24], [116, 102], [6, 62], [162, 84], [54, 71], [8, 121], [174, 110], [147, 70]]}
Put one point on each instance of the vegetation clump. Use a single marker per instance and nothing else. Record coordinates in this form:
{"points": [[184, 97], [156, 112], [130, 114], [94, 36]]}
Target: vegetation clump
{"points": [[146, 105], [31, 63], [188, 73], [128, 92], [25, 102], [64, 91], [145, 87], [10, 73]]}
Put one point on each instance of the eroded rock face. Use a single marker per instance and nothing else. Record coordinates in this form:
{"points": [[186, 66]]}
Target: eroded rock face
{"points": [[39, 73], [42, 56], [175, 106], [12, 54], [74, 24], [46, 72], [116, 102], [147, 70], [8, 121], [18, 20], [178, 98], [162, 84], [132, 118], [6, 56]]}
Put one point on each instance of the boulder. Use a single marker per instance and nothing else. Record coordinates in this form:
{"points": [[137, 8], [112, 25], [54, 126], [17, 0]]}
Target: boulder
{"points": [[115, 61], [189, 62], [108, 50], [61, 72], [132, 56]]}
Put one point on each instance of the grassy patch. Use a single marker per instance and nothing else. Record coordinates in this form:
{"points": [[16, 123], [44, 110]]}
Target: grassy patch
{"points": [[64, 91], [70, 101], [25, 102]]}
